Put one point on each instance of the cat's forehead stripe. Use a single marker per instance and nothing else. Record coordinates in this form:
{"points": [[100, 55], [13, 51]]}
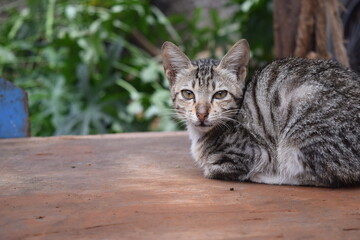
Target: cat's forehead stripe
{"points": [[204, 70]]}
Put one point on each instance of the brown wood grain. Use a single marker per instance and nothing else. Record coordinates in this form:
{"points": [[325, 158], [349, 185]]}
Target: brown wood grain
{"points": [[146, 186]]}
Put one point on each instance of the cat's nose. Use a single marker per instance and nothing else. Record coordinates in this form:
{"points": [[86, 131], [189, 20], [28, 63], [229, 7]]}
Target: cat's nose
{"points": [[202, 111], [202, 116]]}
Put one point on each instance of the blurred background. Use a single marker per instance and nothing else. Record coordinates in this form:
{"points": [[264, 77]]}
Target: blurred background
{"points": [[92, 67]]}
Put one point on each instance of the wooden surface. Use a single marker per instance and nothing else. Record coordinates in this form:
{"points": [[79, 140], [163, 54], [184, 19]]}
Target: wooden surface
{"points": [[146, 186]]}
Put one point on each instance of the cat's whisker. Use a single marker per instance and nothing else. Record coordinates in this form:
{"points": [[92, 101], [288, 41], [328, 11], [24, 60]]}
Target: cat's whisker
{"points": [[181, 122], [180, 117], [169, 115], [173, 112], [220, 122], [230, 119], [232, 110]]}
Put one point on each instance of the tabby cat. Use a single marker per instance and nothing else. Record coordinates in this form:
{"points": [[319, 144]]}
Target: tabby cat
{"points": [[296, 121]]}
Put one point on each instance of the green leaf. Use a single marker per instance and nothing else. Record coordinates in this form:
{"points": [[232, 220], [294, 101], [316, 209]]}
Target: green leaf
{"points": [[134, 94], [135, 108], [151, 72], [71, 12], [18, 23], [50, 19], [6, 56]]}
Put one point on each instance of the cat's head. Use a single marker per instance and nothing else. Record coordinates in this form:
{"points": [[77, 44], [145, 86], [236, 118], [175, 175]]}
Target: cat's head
{"points": [[206, 92]]}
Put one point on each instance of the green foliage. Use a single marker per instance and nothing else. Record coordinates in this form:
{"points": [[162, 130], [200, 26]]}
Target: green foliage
{"points": [[255, 24], [81, 71], [198, 36], [249, 19], [85, 69]]}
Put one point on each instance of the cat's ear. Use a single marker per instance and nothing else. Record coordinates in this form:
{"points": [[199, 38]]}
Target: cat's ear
{"points": [[236, 59], [174, 60]]}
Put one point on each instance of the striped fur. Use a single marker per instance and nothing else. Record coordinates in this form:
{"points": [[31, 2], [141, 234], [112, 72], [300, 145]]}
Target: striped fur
{"points": [[294, 122]]}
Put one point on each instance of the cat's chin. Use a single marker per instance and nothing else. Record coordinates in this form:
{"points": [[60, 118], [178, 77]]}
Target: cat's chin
{"points": [[201, 127]]}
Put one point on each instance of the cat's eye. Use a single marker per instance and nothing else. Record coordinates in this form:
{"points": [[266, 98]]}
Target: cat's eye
{"points": [[187, 94], [220, 94]]}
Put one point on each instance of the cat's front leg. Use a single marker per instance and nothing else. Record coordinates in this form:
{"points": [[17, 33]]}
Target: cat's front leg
{"points": [[225, 167]]}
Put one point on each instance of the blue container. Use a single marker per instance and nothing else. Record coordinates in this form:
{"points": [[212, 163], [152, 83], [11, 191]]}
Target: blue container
{"points": [[14, 112]]}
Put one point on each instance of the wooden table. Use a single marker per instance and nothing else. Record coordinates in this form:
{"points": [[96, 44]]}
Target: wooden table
{"points": [[146, 186]]}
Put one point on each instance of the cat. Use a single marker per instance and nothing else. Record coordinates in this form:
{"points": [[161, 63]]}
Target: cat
{"points": [[295, 122]]}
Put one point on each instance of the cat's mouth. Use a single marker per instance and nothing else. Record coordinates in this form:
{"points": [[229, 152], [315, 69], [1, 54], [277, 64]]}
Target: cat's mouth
{"points": [[203, 125]]}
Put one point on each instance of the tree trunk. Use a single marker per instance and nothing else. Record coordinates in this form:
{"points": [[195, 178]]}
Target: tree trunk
{"points": [[310, 29], [286, 14]]}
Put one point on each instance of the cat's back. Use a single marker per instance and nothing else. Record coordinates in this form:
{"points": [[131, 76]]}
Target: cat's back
{"points": [[291, 73], [295, 92]]}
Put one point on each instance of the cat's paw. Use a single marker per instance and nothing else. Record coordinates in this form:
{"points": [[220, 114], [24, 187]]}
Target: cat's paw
{"points": [[219, 172]]}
